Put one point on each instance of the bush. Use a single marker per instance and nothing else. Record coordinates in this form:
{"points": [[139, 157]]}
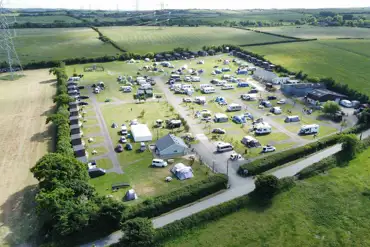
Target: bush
{"points": [[286, 183], [266, 187], [162, 204], [138, 232]]}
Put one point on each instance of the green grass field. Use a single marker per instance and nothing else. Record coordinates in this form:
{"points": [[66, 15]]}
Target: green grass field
{"points": [[310, 32], [347, 61], [59, 43], [47, 19], [326, 210], [154, 39]]}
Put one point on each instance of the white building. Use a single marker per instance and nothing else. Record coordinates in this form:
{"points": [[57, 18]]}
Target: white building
{"points": [[141, 133]]}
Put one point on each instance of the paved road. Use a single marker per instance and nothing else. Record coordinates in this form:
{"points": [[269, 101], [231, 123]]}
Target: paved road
{"points": [[107, 140]]}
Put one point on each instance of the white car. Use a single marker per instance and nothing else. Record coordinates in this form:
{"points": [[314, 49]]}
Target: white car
{"points": [[207, 119], [186, 100], [123, 140], [159, 163], [205, 112], [268, 148], [281, 102]]}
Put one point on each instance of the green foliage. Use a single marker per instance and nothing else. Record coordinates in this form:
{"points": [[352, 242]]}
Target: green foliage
{"points": [[330, 107], [187, 194], [138, 232], [350, 145], [266, 186], [63, 98], [286, 183], [364, 117]]}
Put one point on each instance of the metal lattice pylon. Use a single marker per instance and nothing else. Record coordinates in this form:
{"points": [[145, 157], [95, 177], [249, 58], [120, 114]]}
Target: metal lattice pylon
{"points": [[7, 34]]}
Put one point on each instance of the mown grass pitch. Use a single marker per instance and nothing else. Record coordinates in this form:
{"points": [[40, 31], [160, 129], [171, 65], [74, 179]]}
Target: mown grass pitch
{"points": [[347, 61], [310, 32], [155, 39], [58, 43], [326, 210]]}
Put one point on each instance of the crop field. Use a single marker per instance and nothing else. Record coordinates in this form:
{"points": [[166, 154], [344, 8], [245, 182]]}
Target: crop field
{"points": [[311, 32], [55, 44], [326, 210], [47, 19], [154, 39], [347, 61], [25, 138]]}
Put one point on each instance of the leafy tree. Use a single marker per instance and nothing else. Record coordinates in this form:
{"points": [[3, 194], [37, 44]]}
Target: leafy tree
{"points": [[330, 107], [350, 144], [57, 119], [63, 99], [364, 117], [266, 186], [138, 232]]}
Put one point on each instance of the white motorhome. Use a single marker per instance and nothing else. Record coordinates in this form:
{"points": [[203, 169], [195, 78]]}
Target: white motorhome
{"points": [[225, 77], [201, 86], [227, 87], [200, 100], [263, 128], [234, 107], [249, 97], [195, 79], [208, 90], [309, 129], [224, 147]]}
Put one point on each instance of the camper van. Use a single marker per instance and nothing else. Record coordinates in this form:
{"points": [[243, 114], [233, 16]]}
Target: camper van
{"points": [[234, 107], [262, 128], [126, 89], [195, 79], [225, 77], [227, 87], [175, 77], [292, 119], [309, 129], [249, 97], [208, 90], [224, 147], [200, 100], [221, 118]]}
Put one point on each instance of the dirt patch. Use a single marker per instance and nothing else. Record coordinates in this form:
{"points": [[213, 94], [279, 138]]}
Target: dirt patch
{"points": [[25, 138]]}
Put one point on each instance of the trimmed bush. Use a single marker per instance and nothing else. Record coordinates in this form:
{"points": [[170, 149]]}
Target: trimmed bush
{"points": [[162, 204]]}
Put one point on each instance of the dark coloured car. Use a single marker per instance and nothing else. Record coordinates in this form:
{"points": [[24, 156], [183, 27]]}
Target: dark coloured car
{"points": [[271, 97], [83, 97], [96, 172], [253, 91], [128, 147], [119, 148], [83, 103]]}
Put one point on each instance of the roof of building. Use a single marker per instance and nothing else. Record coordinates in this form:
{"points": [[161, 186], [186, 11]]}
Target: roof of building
{"points": [[80, 153], [140, 130], [169, 140], [322, 92]]}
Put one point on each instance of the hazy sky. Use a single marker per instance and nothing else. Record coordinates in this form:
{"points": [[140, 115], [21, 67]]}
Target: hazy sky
{"points": [[185, 4]]}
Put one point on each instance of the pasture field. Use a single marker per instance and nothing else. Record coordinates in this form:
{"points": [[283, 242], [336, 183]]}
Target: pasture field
{"points": [[47, 19], [347, 61], [25, 138], [311, 32], [326, 210], [59, 43], [155, 39]]}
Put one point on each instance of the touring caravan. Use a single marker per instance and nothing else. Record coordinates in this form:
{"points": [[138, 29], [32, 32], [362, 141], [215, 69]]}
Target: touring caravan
{"points": [[309, 129], [195, 79], [221, 118], [292, 119], [126, 89], [263, 128], [234, 107], [227, 87], [200, 100], [208, 90]]}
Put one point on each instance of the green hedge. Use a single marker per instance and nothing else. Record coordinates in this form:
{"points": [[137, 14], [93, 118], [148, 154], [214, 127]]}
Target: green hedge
{"points": [[162, 204], [279, 42], [264, 164]]}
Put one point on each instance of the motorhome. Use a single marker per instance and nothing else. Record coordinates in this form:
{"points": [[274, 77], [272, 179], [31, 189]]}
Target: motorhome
{"points": [[200, 100], [309, 129], [234, 107], [292, 119], [225, 77], [227, 87], [224, 147], [250, 142], [195, 79], [262, 128], [208, 90]]}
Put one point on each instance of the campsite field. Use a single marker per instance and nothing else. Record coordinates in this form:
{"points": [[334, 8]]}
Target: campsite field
{"points": [[25, 138], [47, 19], [311, 32], [154, 39], [58, 43], [326, 210], [344, 60]]}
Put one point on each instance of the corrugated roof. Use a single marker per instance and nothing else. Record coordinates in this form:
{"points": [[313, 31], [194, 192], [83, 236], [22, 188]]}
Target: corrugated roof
{"points": [[169, 140]]}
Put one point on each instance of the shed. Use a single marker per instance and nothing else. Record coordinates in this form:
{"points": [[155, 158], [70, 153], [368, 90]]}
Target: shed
{"points": [[170, 146], [76, 131], [141, 133], [76, 142], [323, 95], [182, 171], [300, 89]]}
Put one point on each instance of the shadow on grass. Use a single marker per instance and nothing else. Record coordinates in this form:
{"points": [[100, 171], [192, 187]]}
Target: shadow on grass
{"points": [[48, 81], [19, 216], [46, 136]]}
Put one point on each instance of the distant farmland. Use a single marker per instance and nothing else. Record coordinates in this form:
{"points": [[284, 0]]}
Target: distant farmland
{"points": [[56, 44], [154, 39], [347, 61], [46, 19], [309, 32]]}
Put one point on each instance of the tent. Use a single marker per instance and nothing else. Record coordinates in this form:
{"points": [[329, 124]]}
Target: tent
{"points": [[182, 171], [130, 195], [114, 125], [141, 133]]}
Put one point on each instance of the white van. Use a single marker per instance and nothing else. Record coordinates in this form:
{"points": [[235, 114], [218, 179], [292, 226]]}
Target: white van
{"points": [[159, 163], [234, 107], [227, 87], [208, 90], [309, 129], [225, 77], [224, 147], [195, 79], [126, 89]]}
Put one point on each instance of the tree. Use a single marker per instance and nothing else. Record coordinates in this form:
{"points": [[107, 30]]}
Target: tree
{"points": [[138, 232], [266, 186], [331, 107], [350, 144], [364, 117], [63, 99], [57, 119]]}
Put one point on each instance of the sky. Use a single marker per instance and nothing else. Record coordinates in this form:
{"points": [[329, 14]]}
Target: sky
{"points": [[184, 4]]}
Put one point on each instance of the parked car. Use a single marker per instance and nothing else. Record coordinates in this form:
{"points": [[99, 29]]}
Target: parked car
{"points": [[119, 148], [83, 97], [253, 91], [122, 139], [83, 103], [281, 102], [128, 147], [186, 100], [271, 97], [268, 148], [159, 163], [346, 103], [207, 119], [235, 156], [219, 131]]}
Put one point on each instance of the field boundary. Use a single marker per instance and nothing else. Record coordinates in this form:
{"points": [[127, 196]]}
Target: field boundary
{"points": [[268, 33], [279, 42], [107, 40]]}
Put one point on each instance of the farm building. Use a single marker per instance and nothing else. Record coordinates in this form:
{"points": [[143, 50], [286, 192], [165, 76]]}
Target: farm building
{"points": [[301, 89], [323, 95], [182, 171], [170, 146], [141, 133]]}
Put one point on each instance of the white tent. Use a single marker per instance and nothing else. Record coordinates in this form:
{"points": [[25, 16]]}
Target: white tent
{"points": [[182, 171], [141, 133]]}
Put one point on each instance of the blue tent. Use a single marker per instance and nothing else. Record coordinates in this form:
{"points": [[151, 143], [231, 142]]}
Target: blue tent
{"points": [[239, 119]]}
